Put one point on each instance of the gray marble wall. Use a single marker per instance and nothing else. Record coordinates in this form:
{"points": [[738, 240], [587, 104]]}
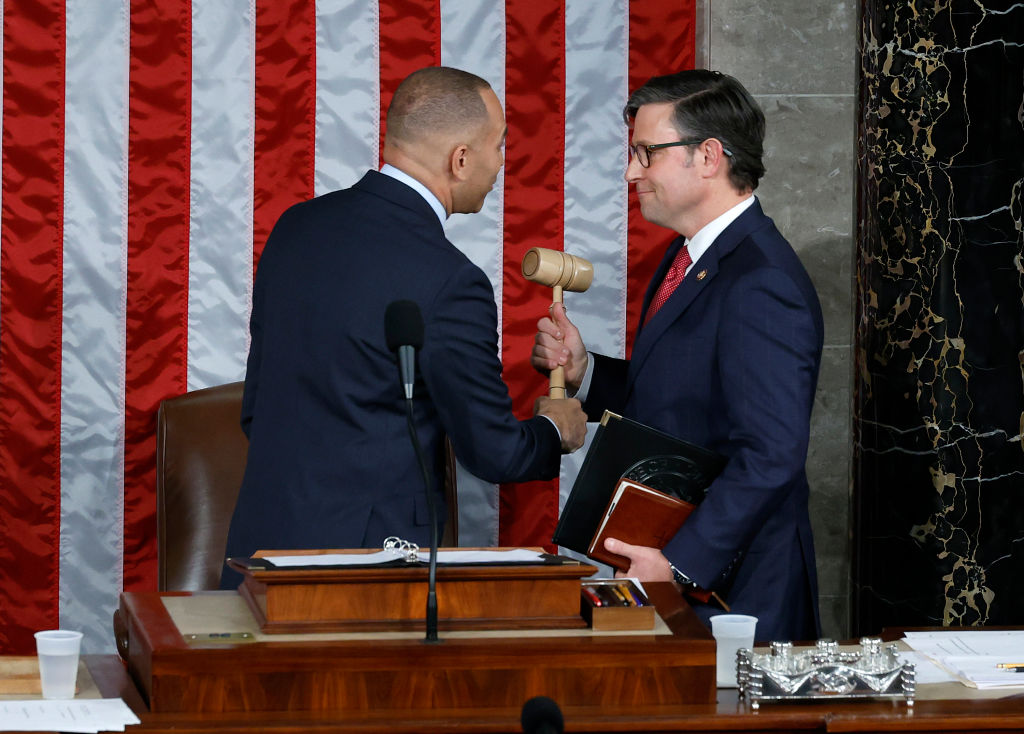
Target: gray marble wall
{"points": [[798, 59]]}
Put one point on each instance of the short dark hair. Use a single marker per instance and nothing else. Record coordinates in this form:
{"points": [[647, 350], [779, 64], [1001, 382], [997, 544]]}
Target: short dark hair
{"points": [[436, 99], [710, 104]]}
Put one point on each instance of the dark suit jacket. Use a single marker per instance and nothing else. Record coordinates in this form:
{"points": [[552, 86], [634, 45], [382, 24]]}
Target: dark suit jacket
{"points": [[331, 464], [730, 362]]}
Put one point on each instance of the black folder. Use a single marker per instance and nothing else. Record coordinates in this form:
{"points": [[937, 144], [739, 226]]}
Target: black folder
{"points": [[625, 449]]}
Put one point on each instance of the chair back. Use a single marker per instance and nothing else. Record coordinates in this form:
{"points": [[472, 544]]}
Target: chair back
{"points": [[200, 458]]}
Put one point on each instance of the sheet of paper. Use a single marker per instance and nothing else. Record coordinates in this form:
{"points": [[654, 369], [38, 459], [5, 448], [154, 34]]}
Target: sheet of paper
{"points": [[76, 715], [983, 670], [973, 656], [1008, 643], [336, 559], [514, 555], [925, 669]]}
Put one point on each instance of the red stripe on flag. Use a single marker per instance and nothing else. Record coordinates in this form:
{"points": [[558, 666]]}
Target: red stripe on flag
{"points": [[534, 173], [410, 39], [661, 41], [159, 103], [30, 320], [285, 135]]}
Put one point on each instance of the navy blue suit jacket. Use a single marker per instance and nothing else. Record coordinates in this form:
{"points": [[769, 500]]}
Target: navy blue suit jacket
{"points": [[731, 362], [330, 461]]}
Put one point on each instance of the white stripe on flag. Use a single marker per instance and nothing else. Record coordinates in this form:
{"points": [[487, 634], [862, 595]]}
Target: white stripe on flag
{"points": [[93, 328], [347, 93], [221, 191], [595, 191], [596, 52], [473, 39]]}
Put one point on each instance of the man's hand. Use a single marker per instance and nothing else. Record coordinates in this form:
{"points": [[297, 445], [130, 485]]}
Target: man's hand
{"points": [[557, 343], [646, 564], [568, 416]]}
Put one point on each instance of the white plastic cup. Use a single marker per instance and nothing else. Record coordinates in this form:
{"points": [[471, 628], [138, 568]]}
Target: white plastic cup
{"points": [[731, 632], [58, 662]]}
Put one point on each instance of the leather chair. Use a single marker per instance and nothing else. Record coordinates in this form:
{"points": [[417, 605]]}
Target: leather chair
{"points": [[200, 458]]}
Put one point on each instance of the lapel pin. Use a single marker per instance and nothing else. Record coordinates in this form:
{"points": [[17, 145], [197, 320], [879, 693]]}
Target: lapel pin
{"points": [[702, 274]]}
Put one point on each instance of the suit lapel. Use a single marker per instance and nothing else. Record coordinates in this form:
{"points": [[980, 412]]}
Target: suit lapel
{"points": [[697, 280], [677, 304]]}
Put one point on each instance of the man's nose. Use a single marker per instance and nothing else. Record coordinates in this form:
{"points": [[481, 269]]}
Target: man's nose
{"points": [[633, 169]]}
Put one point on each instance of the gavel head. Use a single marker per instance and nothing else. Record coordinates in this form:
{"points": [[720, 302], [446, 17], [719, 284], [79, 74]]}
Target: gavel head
{"points": [[557, 269]]}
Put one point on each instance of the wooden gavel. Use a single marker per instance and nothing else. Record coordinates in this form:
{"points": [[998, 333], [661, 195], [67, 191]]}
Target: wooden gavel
{"points": [[561, 271]]}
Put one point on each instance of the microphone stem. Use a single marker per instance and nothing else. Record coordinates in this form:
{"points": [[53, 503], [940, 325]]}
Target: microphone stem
{"points": [[432, 505]]}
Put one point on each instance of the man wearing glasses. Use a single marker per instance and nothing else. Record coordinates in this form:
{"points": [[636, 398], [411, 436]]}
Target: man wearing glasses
{"points": [[726, 354]]}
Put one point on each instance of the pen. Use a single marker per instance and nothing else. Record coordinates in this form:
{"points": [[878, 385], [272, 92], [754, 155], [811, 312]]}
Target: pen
{"points": [[630, 596], [623, 599], [640, 598], [1018, 667], [594, 598], [608, 597]]}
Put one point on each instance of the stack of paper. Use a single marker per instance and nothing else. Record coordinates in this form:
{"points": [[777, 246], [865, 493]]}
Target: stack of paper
{"points": [[925, 669], [979, 658], [514, 555], [76, 715]]}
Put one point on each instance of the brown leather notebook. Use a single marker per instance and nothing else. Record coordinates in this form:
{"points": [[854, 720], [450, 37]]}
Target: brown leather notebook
{"points": [[639, 515], [625, 449]]}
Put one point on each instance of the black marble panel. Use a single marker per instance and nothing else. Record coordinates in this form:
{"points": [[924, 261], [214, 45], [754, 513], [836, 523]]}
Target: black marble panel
{"points": [[939, 333]]}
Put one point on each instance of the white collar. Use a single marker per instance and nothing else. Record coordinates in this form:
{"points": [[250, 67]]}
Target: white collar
{"points": [[399, 175], [710, 231]]}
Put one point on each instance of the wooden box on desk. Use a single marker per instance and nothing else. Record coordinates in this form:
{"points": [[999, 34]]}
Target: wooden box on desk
{"points": [[378, 598], [603, 617], [358, 674]]}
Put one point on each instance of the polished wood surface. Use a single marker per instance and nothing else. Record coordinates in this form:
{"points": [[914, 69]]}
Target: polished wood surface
{"points": [[485, 596], [728, 714], [375, 673], [960, 710]]}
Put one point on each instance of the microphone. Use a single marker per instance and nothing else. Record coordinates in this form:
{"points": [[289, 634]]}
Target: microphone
{"points": [[541, 715], [403, 331]]}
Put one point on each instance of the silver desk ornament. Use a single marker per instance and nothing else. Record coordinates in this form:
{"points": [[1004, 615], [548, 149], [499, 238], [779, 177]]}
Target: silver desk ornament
{"points": [[824, 672]]}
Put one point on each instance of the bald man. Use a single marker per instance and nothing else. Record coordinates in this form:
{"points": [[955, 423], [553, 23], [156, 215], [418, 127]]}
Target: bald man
{"points": [[330, 460]]}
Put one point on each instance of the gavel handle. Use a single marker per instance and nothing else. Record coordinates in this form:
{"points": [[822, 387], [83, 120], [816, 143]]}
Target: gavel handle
{"points": [[556, 382]]}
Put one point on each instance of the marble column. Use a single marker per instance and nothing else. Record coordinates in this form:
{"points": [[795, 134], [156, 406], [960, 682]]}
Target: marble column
{"points": [[938, 400]]}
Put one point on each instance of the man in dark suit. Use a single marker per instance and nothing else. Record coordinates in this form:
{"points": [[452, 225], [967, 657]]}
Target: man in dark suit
{"points": [[330, 462], [726, 356]]}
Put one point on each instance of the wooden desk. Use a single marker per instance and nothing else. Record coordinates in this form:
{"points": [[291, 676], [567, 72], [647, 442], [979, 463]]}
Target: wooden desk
{"points": [[362, 673], [727, 715], [390, 710]]}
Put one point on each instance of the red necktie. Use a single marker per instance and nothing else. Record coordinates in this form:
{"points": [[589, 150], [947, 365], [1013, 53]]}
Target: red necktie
{"points": [[673, 278]]}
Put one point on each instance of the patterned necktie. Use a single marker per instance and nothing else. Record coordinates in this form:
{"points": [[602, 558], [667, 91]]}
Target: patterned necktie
{"points": [[673, 278]]}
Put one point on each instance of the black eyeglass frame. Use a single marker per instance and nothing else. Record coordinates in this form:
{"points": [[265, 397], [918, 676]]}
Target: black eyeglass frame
{"points": [[648, 149]]}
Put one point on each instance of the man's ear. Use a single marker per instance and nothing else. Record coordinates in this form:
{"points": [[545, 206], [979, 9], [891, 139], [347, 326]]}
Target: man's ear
{"points": [[714, 155], [458, 161]]}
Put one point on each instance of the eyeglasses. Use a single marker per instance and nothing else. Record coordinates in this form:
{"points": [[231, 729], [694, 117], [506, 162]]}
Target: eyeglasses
{"points": [[643, 152]]}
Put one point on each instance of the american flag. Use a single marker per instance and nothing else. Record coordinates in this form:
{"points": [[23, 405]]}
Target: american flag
{"points": [[148, 148]]}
